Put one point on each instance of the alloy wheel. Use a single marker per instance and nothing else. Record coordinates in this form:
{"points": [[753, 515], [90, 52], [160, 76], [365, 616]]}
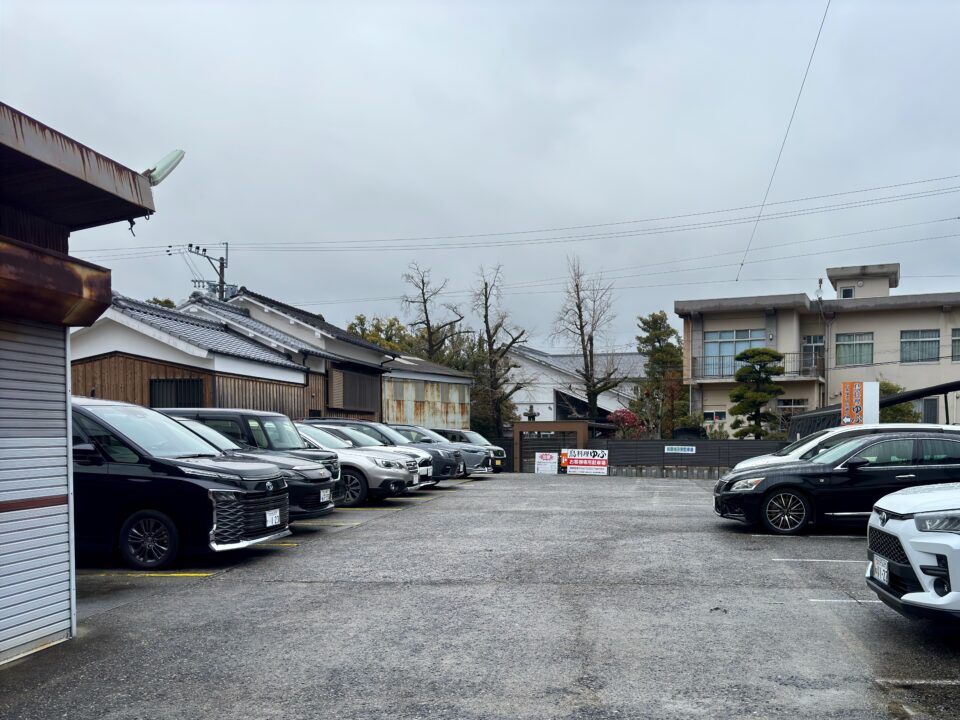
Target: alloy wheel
{"points": [[149, 541], [786, 512], [353, 489]]}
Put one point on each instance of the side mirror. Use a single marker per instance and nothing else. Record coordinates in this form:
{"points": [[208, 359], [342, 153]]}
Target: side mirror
{"points": [[87, 454], [857, 462]]}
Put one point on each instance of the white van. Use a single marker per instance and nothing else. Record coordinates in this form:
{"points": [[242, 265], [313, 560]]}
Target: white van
{"points": [[816, 442]]}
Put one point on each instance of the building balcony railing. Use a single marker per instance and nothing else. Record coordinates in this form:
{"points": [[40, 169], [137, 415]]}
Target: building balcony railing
{"points": [[796, 365]]}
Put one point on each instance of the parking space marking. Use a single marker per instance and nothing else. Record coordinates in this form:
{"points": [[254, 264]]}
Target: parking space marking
{"points": [[820, 560], [845, 600], [910, 683], [810, 537], [278, 544], [147, 574], [327, 523]]}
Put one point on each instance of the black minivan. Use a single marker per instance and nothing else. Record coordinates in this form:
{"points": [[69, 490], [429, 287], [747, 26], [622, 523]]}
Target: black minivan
{"points": [[145, 485]]}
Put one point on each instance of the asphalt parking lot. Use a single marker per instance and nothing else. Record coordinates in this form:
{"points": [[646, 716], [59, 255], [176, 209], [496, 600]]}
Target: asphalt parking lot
{"points": [[506, 597]]}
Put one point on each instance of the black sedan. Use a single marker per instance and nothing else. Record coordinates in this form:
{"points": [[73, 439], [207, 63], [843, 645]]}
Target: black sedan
{"points": [[840, 484]]}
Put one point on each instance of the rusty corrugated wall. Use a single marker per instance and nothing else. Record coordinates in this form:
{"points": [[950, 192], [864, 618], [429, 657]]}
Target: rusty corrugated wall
{"points": [[426, 402]]}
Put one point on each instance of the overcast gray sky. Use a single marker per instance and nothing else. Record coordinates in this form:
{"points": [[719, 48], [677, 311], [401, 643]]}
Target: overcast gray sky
{"points": [[343, 123]]}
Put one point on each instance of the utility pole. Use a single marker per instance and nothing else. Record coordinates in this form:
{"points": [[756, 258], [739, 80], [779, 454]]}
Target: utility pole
{"points": [[219, 264]]}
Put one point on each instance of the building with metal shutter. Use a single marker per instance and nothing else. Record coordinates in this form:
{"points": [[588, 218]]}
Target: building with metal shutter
{"points": [[50, 186]]}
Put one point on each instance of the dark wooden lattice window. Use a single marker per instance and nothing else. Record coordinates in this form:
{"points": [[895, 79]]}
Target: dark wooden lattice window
{"points": [[178, 393]]}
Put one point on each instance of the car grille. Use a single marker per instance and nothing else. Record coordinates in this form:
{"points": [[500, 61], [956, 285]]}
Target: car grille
{"points": [[412, 466], [334, 467], [888, 546], [243, 516], [313, 502]]}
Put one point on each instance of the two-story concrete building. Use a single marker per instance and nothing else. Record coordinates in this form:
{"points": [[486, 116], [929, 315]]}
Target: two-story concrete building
{"points": [[864, 333]]}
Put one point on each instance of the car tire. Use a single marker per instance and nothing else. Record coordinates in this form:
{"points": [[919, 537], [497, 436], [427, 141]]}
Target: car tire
{"points": [[355, 487], [149, 540], [785, 512]]}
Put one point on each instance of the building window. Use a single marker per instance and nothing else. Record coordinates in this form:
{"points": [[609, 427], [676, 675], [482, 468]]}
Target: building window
{"points": [[929, 410], [855, 348], [956, 343], [919, 345], [714, 416], [720, 347], [812, 351], [846, 293]]}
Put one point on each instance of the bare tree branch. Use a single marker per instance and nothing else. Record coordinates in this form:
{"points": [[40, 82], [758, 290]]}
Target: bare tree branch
{"points": [[584, 316]]}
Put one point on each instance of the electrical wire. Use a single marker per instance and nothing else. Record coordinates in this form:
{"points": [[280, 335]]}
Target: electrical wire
{"points": [[783, 144], [607, 224]]}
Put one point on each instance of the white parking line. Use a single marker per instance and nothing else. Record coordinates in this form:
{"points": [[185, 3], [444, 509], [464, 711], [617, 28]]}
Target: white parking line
{"points": [[848, 600], [810, 537], [910, 683], [821, 560]]}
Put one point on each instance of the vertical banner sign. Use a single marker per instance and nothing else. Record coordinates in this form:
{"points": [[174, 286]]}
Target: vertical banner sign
{"points": [[851, 405], [586, 462], [546, 463]]}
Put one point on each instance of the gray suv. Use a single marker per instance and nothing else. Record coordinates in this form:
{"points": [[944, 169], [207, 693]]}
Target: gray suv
{"points": [[470, 437], [447, 460]]}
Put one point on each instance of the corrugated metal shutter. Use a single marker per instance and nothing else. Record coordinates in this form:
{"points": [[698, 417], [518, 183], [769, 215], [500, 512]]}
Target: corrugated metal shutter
{"points": [[36, 576]]}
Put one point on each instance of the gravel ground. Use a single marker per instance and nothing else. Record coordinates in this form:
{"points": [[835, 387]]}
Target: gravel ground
{"points": [[507, 597]]}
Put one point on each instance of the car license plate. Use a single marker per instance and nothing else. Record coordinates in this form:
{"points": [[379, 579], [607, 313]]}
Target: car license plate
{"points": [[461, 468], [273, 517], [324, 496], [498, 462], [881, 570], [425, 470]]}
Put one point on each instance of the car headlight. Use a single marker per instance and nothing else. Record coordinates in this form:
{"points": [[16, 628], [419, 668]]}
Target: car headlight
{"points": [[388, 464], [938, 522], [746, 485], [197, 472], [291, 474], [445, 454], [304, 468]]}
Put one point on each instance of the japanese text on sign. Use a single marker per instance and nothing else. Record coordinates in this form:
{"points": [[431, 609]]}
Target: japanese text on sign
{"points": [[581, 461]]}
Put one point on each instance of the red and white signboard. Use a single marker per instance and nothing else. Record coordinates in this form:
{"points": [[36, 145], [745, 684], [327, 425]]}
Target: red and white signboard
{"points": [[584, 462], [546, 463]]}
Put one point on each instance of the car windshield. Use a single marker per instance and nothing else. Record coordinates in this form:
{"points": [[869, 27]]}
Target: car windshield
{"points": [[782, 452], [476, 438], [360, 439], [419, 434], [218, 440], [326, 440], [159, 435], [840, 451], [391, 434], [282, 433]]}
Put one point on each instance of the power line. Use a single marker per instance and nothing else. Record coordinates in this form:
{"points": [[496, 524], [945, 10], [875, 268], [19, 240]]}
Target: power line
{"points": [[519, 289], [607, 224], [329, 246], [785, 136]]}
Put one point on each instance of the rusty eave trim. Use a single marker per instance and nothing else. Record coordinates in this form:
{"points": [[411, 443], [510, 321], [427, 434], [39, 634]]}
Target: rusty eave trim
{"points": [[33, 139], [48, 286]]}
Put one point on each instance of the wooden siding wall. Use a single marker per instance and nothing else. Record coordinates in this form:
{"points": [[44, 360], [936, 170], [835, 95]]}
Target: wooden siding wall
{"points": [[295, 401], [127, 378]]}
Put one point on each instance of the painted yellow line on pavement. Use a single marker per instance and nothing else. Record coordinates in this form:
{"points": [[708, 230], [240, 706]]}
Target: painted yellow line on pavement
{"points": [[147, 574], [278, 544]]}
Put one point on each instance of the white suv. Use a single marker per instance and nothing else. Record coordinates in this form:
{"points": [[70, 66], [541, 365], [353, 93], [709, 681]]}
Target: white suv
{"points": [[914, 551], [816, 442]]}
